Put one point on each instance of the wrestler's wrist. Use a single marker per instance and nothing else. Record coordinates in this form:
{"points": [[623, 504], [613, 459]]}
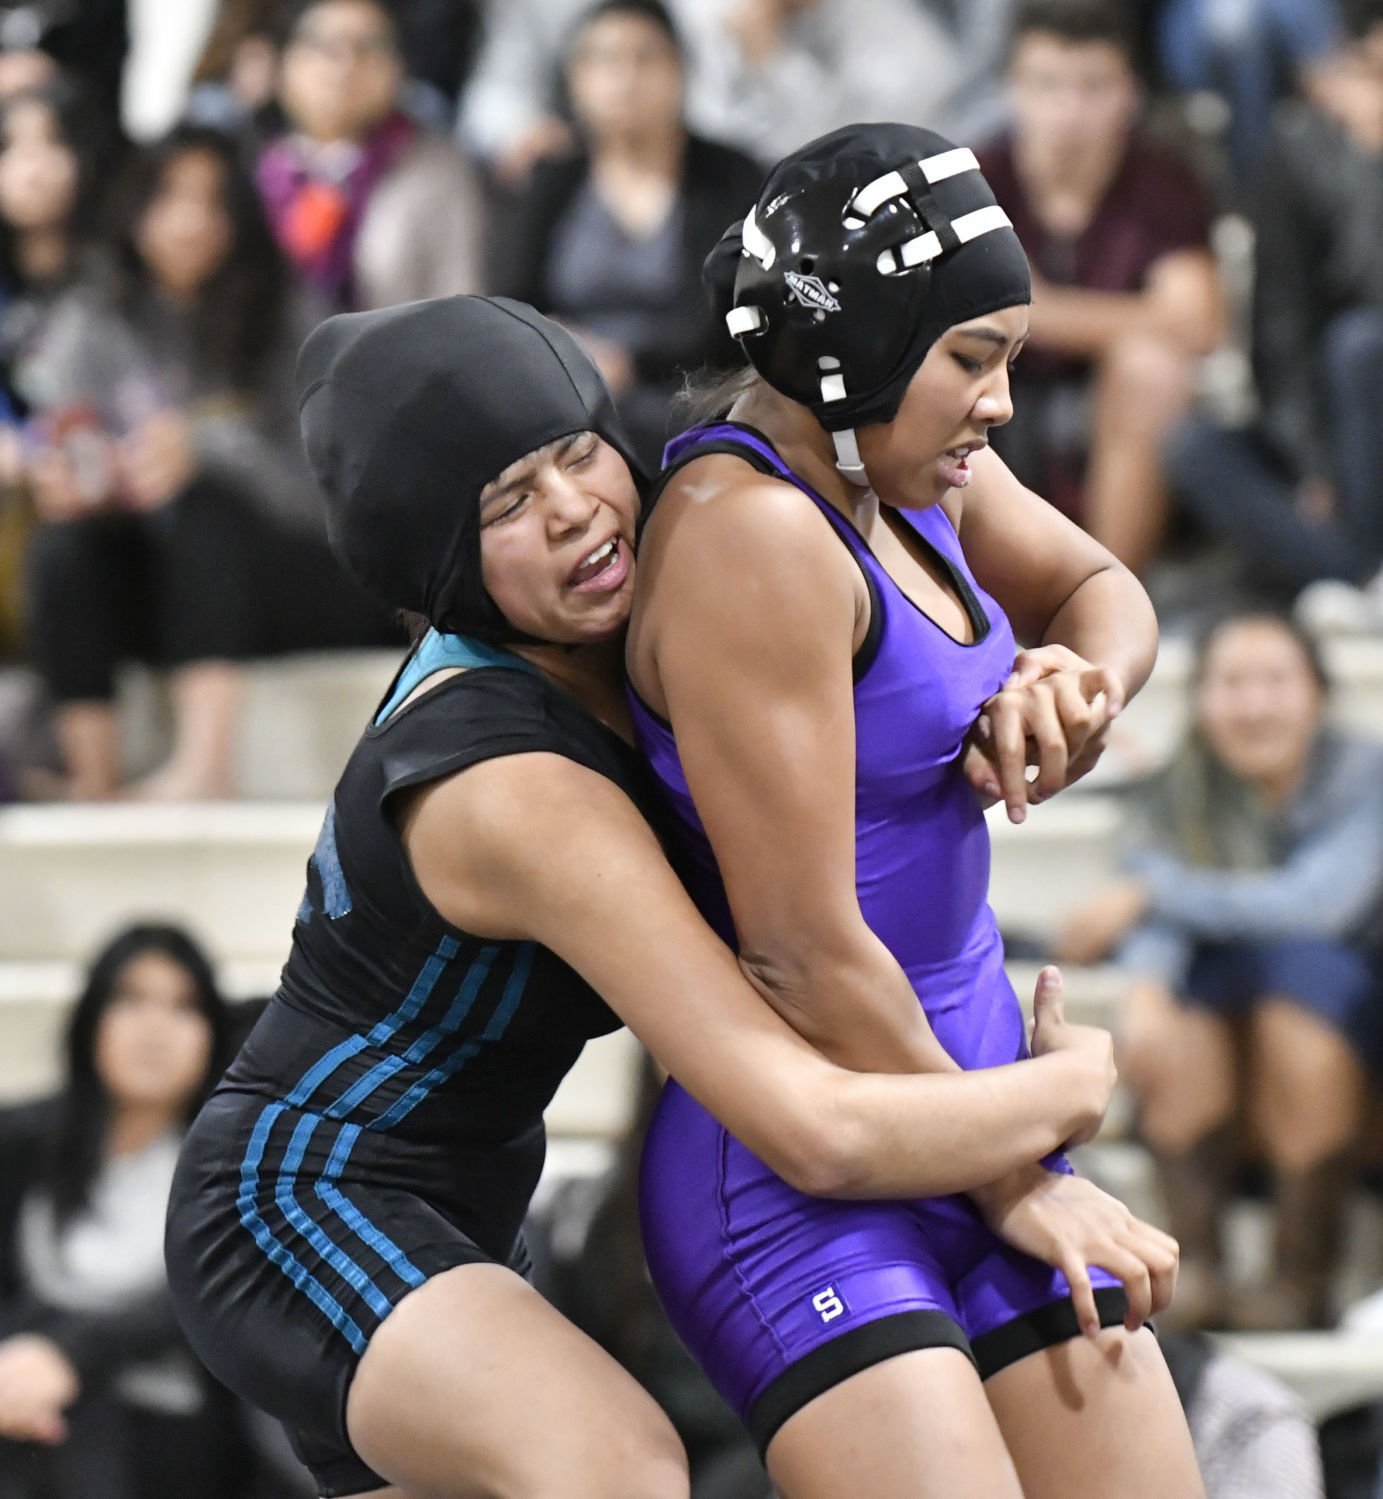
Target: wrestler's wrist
{"points": [[996, 1199]]}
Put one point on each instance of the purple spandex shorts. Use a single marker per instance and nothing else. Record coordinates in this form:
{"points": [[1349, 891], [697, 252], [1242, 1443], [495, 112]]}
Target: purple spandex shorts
{"points": [[779, 1296]]}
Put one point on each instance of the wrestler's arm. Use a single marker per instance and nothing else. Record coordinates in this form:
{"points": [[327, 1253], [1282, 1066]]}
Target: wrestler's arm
{"points": [[750, 608], [536, 847], [1057, 585]]}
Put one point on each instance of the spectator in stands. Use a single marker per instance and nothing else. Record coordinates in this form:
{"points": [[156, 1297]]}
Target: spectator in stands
{"points": [[610, 240], [370, 208], [54, 148], [763, 75], [179, 523], [1300, 494], [99, 1396], [1251, 53], [1249, 922], [1125, 293]]}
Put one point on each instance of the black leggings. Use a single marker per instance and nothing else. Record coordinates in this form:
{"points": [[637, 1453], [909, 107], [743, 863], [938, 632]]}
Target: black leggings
{"points": [[206, 577]]}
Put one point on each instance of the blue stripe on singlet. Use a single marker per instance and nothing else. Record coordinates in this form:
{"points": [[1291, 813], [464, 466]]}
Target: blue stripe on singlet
{"points": [[247, 1199], [292, 1267]]}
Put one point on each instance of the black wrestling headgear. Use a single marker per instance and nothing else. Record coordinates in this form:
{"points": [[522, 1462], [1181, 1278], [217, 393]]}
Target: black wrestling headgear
{"points": [[409, 412], [863, 248]]}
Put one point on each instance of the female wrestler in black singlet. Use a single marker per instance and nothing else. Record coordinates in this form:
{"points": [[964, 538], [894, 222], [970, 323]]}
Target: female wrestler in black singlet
{"points": [[344, 1230]]}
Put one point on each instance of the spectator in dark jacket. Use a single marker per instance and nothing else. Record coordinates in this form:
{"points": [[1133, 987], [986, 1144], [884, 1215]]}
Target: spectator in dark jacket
{"points": [[1300, 494], [99, 1396], [611, 241]]}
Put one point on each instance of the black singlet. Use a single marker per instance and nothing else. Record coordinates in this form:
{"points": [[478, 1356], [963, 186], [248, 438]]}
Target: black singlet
{"points": [[383, 1121]]}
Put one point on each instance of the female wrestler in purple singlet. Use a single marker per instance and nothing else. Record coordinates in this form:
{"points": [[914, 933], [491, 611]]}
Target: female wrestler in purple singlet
{"points": [[823, 645]]}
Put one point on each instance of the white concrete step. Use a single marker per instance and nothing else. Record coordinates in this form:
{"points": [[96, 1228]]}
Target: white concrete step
{"points": [[298, 724], [235, 871], [1330, 1371], [232, 872], [304, 713]]}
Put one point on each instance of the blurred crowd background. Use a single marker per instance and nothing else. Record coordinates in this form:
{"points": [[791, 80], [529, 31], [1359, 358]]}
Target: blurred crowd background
{"points": [[187, 186]]}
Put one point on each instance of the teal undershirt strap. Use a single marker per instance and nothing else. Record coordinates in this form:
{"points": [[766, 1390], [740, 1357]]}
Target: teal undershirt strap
{"points": [[437, 652]]}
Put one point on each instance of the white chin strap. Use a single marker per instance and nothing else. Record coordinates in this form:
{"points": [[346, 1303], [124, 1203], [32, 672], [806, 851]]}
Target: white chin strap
{"points": [[848, 459]]}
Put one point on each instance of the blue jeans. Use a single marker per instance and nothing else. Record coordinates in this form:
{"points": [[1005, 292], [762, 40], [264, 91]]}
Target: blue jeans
{"points": [[1238, 489], [1239, 48]]}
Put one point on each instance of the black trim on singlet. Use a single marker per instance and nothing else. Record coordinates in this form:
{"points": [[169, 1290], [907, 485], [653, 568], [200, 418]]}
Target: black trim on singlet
{"points": [[863, 658], [849, 1354], [1044, 1327]]}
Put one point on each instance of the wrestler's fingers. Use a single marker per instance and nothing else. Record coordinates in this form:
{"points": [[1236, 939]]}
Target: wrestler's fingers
{"points": [[1162, 1256], [1074, 1268], [1095, 680], [1049, 735], [1009, 740]]}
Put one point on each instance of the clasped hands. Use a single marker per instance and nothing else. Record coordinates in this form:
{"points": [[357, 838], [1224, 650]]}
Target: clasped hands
{"points": [[1052, 713]]}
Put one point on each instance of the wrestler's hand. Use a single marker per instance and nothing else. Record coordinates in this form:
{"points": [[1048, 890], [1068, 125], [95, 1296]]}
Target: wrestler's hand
{"points": [[1070, 1224], [1088, 1045], [1054, 712]]}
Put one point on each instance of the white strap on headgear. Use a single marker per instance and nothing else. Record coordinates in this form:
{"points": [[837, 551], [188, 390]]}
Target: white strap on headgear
{"points": [[741, 321], [756, 242], [925, 247], [848, 459], [873, 195]]}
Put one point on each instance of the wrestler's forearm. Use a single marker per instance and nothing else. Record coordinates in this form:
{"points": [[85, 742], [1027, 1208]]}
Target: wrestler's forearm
{"points": [[927, 1136], [1109, 621]]}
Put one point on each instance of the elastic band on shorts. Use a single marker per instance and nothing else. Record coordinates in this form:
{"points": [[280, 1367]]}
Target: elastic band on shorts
{"points": [[1042, 1328], [851, 1353]]}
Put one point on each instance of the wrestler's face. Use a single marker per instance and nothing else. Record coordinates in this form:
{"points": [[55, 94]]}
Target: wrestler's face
{"points": [[557, 541], [960, 391], [1258, 703]]}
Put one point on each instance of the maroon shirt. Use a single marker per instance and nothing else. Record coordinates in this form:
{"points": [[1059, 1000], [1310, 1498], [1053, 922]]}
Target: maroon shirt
{"points": [[1154, 205]]}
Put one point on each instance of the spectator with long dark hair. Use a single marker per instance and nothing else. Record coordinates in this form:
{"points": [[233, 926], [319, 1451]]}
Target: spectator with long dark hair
{"points": [[179, 523], [54, 146], [610, 240], [99, 1396], [1250, 924]]}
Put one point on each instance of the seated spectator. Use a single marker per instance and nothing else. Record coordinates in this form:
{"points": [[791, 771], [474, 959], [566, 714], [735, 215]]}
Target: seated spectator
{"points": [[1250, 923], [54, 149], [610, 241], [1125, 293], [762, 75], [99, 1396], [370, 208], [1251, 54], [1300, 494], [179, 523]]}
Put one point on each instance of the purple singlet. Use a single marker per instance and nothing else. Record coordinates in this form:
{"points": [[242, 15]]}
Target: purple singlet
{"points": [[780, 1296]]}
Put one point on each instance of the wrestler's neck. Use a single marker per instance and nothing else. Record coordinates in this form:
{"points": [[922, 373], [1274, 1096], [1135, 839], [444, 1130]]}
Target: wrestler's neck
{"points": [[806, 447], [592, 674]]}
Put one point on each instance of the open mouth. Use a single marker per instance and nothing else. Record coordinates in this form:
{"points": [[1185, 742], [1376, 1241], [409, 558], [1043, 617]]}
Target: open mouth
{"points": [[602, 569]]}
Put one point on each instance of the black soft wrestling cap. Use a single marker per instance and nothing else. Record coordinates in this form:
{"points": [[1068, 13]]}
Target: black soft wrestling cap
{"points": [[409, 412], [863, 248]]}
